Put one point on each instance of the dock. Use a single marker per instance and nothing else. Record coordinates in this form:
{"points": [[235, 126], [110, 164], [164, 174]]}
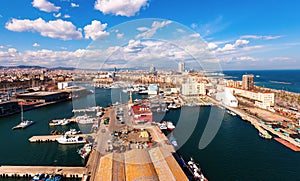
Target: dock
{"points": [[50, 138], [30, 171]]}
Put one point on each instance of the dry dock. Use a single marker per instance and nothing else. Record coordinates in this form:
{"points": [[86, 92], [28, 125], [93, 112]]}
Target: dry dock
{"points": [[30, 171]]}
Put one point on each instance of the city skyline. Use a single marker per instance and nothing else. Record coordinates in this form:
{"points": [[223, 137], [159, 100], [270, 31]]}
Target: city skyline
{"points": [[55, 33]]}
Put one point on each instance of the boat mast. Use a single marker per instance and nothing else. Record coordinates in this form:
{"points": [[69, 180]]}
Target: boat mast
{"points": [[22, 111]]}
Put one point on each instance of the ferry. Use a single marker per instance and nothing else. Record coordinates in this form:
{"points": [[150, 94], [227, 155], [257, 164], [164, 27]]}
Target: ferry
{"points": [[23, 124], [85, 150], [67, 139]]}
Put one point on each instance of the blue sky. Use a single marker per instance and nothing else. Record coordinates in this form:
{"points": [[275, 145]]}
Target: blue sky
{"points": [[249, 34]]}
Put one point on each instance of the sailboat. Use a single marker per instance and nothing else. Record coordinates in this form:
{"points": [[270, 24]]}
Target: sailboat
{"points": [[23, 124]]}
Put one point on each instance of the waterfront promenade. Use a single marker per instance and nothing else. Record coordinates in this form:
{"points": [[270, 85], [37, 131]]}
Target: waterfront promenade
{"points": [[256, 122]]}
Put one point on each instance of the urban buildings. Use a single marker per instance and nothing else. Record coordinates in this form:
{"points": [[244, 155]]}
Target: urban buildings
{"points": [[193, 89], [248, 82], [181, 67]]}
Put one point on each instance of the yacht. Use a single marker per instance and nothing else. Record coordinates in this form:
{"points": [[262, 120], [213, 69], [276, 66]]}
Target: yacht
{"points": [[23, 124], [67, 139], [162, 126], [72, 132]]}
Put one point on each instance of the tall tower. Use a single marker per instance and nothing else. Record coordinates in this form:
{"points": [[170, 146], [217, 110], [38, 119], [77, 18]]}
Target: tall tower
{"points": [[248, 82], [181, 67]]}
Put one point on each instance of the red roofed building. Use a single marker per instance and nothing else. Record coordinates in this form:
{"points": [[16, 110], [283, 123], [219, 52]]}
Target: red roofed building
{"points": [[141, 114]]}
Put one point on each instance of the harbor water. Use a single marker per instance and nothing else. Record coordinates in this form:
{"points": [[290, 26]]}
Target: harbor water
{"points": [[235, 153]]}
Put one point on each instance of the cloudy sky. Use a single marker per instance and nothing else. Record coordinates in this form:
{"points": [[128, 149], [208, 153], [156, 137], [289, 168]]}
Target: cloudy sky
{"points": [[249, 34]]}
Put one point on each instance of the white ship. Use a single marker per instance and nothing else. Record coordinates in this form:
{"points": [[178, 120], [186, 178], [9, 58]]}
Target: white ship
{"points": [[67, 139]]}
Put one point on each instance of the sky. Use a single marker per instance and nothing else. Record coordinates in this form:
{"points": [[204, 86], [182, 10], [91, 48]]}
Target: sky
{"points": [[232, 35]]}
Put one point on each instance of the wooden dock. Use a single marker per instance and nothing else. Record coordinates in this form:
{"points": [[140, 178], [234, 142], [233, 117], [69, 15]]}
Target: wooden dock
{"points": [[30, 171], [50, 138]]}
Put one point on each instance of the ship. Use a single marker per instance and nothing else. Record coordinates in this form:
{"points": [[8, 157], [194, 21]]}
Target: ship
{"points": [[67, 139], [265, 135], [85, 150]]}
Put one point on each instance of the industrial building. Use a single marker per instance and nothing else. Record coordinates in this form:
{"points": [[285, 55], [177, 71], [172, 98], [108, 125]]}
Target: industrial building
{"points": [[43, 96]]}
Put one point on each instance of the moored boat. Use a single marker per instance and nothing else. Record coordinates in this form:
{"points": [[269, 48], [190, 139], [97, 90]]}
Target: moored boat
{"points": [[67, 139], [85, 150], [72, 132], [170, 125], [23, 124], [173, 141]]}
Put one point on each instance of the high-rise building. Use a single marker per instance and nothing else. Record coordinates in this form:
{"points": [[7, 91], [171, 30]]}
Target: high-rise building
{"points": [[181, 67], [248, 82]]}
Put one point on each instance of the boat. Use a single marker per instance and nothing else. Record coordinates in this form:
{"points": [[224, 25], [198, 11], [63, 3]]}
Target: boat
{"points": [[162, 126], [59, 122], [170, 125], [46, 177], [230, 112], [67, 139], [173, 141], [23, 124], [265, 135], [173, 106], [85, 150], [56, 177], [195, 170], [72, 132]]}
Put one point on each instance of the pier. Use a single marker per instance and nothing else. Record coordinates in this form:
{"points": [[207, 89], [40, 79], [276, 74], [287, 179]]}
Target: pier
{"points": [[30, 171], [49, 138]]}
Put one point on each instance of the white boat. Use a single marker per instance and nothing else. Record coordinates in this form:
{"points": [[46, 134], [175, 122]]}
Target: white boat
{"points": [[85, 150], [23, 124], [162, 126], [72, 132], [59, 122], [170, 125], [173, 141], [173, 106], [67, 139], [86, 121]]}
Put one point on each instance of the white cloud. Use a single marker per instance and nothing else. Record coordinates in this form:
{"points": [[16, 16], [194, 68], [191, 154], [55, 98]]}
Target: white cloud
{"points": [[194, 25], [149, 32], [120, 7], [230, 47], [54, 29], [134, 46], [120, 35], [46, 6], [246, 58], [67, 16], [257, 37], [57, 15], [74, 5], [212, 46], [36, 45], [195, 35], [279, 59], [95, 30]]}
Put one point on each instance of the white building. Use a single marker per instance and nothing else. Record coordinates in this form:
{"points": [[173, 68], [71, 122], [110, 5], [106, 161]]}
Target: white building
{"points": [[227, 98], [264, 100], [181, 67], [193, 89], [63, 85]]}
